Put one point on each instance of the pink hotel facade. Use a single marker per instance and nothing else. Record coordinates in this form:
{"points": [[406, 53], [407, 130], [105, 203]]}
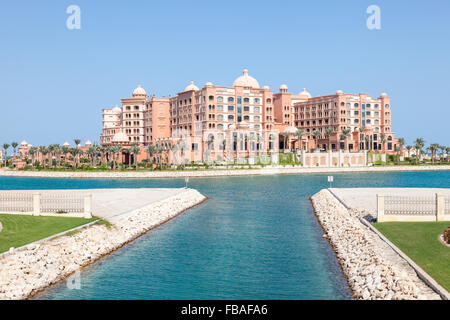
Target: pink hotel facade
{"points": [[245, 121]]}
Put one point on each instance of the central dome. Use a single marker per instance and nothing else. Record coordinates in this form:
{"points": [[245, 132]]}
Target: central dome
{"points": [[246, 81], [139, 92]]}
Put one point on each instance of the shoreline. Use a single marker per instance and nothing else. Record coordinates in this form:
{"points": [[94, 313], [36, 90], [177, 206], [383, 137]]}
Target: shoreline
{"points": [[374, 271], [213, 172], [91, 244]]}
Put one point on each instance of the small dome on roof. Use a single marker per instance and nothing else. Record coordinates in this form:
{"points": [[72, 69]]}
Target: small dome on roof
{"points": [[191, 87], [139, 92], [383, 95], [116, 109], [209, 84], [246, 81], [120, 137], [266, 88], [290, 130], [88, 143], [24, 143], [66, 144], [339, 92], [305, 94], [284, 87]]}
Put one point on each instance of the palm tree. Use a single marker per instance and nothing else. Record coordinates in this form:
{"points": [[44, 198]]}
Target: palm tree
{"points": [[44, 151], [434, 147], [316, 134], [151, 150], [285, 136], [224, 148], [32, 152], [210, 142], [14, 145], [117, 150], [364, 138], [447, 151], [383, 141], [443, 148], [299, 134], [329, 132], [135, 150], [419, 143], [408, 147], [367, 143], [5, 148], [345, 133], [401, 143], [77, 142]]}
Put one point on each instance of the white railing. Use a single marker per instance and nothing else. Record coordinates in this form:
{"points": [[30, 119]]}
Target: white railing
{"points": [[16, 202], [410, 208], [46, 203], [401, 205]]}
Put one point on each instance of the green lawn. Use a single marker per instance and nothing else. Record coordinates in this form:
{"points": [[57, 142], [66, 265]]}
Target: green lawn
{"points": [[19, 230], [419, 240]]}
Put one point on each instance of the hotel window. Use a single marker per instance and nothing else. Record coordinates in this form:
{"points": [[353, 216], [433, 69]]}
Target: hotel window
{"points": [[246, 100], [246, 108], [219, 107], [230, 99], [195, 146], [256, 110], [230, 108], [256, 100], [356, 105], [246, 118], [376, 106], [230, 117], [220, 117], [368, 113], [356, 112], [219, 99], [256, 126], [356, 120], [368, 121], [368, 105], [256, 118], [387, 106], [348, 104]]}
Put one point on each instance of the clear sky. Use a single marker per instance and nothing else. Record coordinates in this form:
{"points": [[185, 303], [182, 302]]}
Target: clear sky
{"points": [[55, 81]]}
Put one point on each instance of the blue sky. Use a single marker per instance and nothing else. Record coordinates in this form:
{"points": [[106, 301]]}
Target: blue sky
{"points": [[55, 82]]}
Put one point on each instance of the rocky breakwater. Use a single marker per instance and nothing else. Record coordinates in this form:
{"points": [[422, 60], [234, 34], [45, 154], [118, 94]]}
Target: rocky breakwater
{"points": [[374, 271], [26, 272]]}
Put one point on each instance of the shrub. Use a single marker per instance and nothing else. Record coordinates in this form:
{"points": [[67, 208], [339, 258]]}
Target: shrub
{"points": [[447, 235]]}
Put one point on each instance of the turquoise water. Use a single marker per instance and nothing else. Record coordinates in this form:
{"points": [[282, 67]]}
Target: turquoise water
{"points": [[255, 238]]}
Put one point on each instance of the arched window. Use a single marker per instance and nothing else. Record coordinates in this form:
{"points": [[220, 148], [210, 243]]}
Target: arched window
{"points": [[219, 99], [230, 99]]}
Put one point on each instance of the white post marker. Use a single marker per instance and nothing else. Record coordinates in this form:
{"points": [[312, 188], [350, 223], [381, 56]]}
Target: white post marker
{"points": [[186, 180], [330, 180]]}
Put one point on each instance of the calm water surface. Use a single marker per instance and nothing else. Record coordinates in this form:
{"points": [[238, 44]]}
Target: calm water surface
{"points": [[255, 238]]}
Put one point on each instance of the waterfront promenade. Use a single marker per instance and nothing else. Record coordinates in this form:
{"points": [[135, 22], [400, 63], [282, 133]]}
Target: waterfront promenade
{"points": [[214, 172]]}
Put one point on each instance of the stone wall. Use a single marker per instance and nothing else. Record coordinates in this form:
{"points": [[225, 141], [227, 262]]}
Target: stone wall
{"points": [[25, 272], [373, 269]]}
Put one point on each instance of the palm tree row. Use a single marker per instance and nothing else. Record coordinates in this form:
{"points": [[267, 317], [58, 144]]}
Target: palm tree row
{"points": [[56, 156]]}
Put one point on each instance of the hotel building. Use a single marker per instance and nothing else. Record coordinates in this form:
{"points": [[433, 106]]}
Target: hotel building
{"points": [[246, 121]]}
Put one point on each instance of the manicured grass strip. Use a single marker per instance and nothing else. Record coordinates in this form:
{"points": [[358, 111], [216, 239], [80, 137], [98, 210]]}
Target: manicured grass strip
{"points": [[419, 241], [19, 230]]}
